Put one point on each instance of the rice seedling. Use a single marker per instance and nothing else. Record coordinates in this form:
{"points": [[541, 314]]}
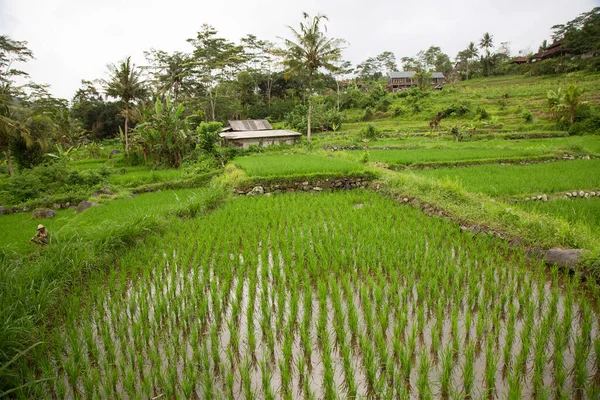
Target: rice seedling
{"points": [[309, 296]]}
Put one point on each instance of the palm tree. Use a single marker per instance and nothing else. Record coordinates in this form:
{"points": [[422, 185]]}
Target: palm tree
{"points": [[310, 50], [471, 53], [125, 82], [171, 72], [486, 42]]}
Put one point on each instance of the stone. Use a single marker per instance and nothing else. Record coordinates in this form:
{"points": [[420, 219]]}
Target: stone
{"points": [[258, 190], [112, 153], [569, 194], [574, 194], [44, 213], [84, 205], [586, 195], [581, 193], [405, 199], [105, 190], [268, 194], [359, 205], [539, 197], [563, 257], [317, 188], [544, 197], [305, 183]]}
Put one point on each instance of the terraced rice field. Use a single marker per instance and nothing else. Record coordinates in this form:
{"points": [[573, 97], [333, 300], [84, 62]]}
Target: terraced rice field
{"points": [[336, 295], [513, 180]]}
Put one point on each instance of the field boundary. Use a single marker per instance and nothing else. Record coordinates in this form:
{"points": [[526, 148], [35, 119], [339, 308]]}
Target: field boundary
{"points": [[484, 161]]}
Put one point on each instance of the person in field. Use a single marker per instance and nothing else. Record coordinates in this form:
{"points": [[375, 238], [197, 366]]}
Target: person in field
{"points": [[42, 236]]}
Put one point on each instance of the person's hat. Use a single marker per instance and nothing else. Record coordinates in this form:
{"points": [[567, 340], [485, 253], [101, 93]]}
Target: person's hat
{"points": [[40, 226]]}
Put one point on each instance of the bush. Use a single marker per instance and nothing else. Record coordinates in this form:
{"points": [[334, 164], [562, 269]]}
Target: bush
{"points": [[457, 109], [398, 110], [527, 115], [26, 156], [369, 132], [368, 115], [322, 119], [482, 113]]}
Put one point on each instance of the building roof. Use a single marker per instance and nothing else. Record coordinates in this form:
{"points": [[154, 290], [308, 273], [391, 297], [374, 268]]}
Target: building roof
{"points": [[247, 125], [410, 74], [519, 60], [273, 133]]}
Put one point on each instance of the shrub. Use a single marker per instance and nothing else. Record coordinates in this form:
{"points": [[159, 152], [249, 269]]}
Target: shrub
{"points": [[527, 115], [364, 157], [322, 119], [369, 132], [26, 156], [398, 110], [457, 109], [368, 115], [482, 113], [208, 135]]}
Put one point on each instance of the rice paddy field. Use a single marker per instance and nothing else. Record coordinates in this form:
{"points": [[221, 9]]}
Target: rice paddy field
{"points": [[332, 295], [439, 150], [16, 229], [304, 165], [522, 180], [586, 211]]}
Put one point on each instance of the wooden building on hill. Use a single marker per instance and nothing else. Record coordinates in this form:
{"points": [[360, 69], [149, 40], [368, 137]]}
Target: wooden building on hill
{"points": [[404, 80], [556, 49], [255, 132]]}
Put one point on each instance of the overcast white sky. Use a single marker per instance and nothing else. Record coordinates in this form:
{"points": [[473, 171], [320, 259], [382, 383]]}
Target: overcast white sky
{"points": [[75, 39]]}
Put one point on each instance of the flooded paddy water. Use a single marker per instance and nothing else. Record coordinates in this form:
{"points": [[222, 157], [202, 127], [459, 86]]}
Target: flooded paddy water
{"points": [[310, 296]]}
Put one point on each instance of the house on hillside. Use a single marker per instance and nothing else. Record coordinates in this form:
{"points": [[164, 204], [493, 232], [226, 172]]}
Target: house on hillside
{"points": [[404, 80], [556, 49], [520, 60], [255, 132]]}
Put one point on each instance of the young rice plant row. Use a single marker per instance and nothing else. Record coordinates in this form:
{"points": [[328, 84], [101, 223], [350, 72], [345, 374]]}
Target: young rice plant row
{"points": [[338, 295]]}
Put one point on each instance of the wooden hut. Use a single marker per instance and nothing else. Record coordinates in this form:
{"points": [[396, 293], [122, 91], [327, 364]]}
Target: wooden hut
{"points": [[255, 132]]}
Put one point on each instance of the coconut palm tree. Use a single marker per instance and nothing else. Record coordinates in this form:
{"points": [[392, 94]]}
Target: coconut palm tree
{"points": [[486, 42], [471, 53], [125, 82], [310, 50]]}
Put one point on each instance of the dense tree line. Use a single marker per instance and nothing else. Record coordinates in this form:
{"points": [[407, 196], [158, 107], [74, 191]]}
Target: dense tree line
{"points": [[218, 79]]}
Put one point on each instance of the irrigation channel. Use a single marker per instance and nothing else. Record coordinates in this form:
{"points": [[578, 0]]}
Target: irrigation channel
{"points": [[333, 295]]}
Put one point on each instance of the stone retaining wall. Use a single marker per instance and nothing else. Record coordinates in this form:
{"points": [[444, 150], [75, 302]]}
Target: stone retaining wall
{"points": [[303, 186]]}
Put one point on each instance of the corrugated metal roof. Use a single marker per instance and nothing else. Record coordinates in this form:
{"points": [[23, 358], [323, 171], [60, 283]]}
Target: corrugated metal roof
{"points": [[250, 125], [258, 134], [410, 74]]}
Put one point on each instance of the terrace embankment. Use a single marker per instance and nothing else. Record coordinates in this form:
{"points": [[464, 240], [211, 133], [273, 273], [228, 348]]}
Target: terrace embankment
{"points": [[267, 186]]}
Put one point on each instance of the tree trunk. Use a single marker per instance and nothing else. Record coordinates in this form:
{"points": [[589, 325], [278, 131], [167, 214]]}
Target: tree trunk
{"points": [[308, 129], [9, 161], [338, 94], [269, 86], [126, 126], [467, 69], [572, 115]]}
